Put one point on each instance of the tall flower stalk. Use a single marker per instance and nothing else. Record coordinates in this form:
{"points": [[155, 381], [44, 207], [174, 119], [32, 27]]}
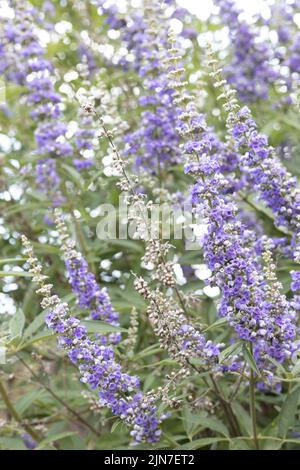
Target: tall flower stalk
{"points": [[155, 144], [36, 73], [97, 365], [250, 71], [258, 161], [246, 300], [90, 297], [180, 339]]}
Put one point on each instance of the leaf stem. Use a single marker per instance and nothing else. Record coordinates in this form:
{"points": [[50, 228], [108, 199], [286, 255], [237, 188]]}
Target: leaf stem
{"points": [[252, 407]]}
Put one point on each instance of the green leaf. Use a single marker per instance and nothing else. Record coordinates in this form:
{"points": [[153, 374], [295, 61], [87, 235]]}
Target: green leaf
{"points": [[239, 444], [41, 336], [11, 260], [153, 349], [234, 348], [250, 359], [243, 417], [97, 326], [272, 444], [37, 323], [55, 438], [204, 442], [16, 324], [15, 274], [26, 400], [129, 245], [73, 174], [15, 208], [216, 324], [12, 443], [291, 121], [288, 411], [296, 369], [115, 425]]}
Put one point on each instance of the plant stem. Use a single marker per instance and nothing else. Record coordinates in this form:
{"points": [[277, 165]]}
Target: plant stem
{"points": [[15, 415], [60, 400], [78, 229], [227, 407], [253, 409]]}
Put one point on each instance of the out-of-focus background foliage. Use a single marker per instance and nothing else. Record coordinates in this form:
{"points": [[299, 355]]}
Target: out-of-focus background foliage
{"points": [[40, 381]]}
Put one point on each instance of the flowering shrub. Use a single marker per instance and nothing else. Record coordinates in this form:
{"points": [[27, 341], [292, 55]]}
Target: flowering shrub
{"points": [[150, 221]]}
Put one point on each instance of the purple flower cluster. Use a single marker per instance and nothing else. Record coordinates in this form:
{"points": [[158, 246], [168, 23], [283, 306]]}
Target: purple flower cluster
{"points": [[295, 288], [155, 144], [31, 69], [265, 173], [89, 294], [96, 362], [228, 247], [29, 442], [117, 390], [84, 284], [293, 60], [250, 70], [282, 20], [83, 140]]}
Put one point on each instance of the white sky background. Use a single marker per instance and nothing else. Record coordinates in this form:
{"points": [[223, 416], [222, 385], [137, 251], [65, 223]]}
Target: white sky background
{"points": [[203, 8]]}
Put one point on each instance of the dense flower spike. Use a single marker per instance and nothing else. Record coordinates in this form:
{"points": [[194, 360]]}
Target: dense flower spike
{"points": [[250, 71], [83, 137], [155, 144], [90, 297], [96, 363], [283, 22], [228, 245], [168, 212], [259, 162], [265, 173], [34, 71], [182, 338], [176, 334]]}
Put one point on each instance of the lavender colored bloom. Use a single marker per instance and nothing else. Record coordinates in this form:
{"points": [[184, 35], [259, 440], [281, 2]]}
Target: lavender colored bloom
{"points": [[265, 173], [295, 285], [267, 322], [29, 442], [98, 368], [90, 296], [230, 256], [117, 390], [84, 284], [50, 138], [86, 56], [83, 141], [24, 62], [155, 144], [293, 61], [250, 70]]}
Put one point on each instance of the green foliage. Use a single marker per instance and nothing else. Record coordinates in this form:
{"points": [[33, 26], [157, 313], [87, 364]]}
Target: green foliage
{"points": [[44, 387]]}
